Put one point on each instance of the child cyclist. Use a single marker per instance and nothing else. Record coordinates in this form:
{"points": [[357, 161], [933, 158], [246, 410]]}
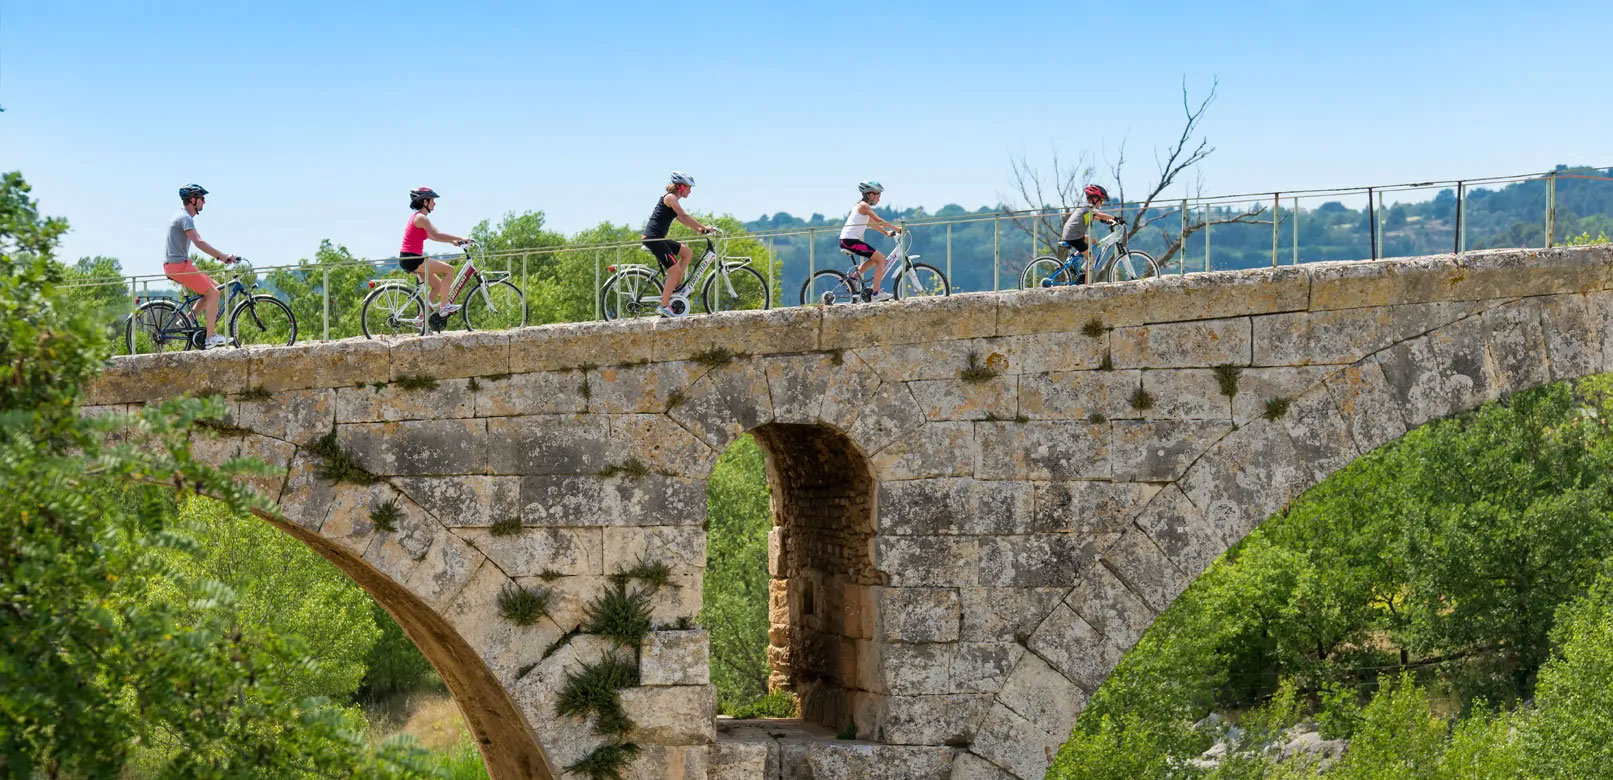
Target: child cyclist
{"points": [[411, 257], [862, 216], [1075, 228]]}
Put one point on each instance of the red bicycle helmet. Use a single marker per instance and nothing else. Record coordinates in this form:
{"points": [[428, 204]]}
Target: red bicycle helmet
{"points": [[1097, 191]]}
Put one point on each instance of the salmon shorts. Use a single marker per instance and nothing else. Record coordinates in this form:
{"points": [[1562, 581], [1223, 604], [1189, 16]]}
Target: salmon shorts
{"points": [[189, 275]]}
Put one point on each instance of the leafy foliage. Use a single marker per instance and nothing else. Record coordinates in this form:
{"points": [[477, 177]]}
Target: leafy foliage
{"points": [[736, 580], [523, 606], [591, 690], [620, 614]]}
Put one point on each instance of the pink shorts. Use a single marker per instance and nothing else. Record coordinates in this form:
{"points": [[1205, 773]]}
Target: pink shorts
{"points": [[189, 275]]}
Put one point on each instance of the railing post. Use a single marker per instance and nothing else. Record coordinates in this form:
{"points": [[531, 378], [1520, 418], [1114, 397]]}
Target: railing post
{"points": [[1551, 207], [1276, 206], [1456, 235], [597, 294], [1372, 223], [1295, 216], [1181, 249], [949, 252], [325, 295], [1209, 216], [996, 246], [772, 254], [812, 253]]}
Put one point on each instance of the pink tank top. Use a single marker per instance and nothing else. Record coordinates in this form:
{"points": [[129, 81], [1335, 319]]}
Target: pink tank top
{"points": [[414, 237]]}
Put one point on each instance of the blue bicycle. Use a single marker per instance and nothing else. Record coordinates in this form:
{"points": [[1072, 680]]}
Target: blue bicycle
{"points": [[1122, 264], [160, 325]]}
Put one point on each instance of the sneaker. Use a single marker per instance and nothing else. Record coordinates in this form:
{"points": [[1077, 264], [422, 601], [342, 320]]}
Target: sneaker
{"points": [[215, 341], [448, 308], [665, 311], [882, 295]]}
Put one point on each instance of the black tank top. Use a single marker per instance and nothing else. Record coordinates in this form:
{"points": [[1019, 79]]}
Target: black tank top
{"points": [[660, 220]]}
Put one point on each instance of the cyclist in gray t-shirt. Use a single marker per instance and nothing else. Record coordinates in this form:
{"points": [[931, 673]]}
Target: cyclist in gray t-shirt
{"points": [[1075, 227], [178, 267]]}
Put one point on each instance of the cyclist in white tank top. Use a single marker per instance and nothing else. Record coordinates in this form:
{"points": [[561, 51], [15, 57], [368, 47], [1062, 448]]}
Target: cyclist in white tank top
{"points": [[861, 218]]}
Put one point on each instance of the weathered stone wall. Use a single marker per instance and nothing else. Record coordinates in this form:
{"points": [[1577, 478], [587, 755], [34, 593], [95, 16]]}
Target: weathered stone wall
{"points": [[1046, 472]]}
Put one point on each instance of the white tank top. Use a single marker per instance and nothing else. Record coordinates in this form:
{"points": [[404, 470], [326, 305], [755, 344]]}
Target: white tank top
{"points": [[856, 224]]}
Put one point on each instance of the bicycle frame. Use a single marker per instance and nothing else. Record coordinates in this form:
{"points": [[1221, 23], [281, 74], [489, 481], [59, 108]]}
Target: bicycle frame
{"points": [[896, 261], [712, 261]]}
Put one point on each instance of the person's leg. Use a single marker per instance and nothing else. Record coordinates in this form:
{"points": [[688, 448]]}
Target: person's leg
{"points": [[442, 275], [191, 278], [210, 304], [674, 275], [878, 263]]}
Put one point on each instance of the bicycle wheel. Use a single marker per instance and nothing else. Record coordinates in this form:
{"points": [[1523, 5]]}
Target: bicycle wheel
{"points": [[157, 326], [1130, 266], [503, 307], [632, 292], [750, 291], [263, 319], [828, 287], [1045, 271], [921, 280], [393, 310]]}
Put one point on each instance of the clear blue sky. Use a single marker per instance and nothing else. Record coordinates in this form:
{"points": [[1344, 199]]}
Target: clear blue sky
{"points": [[312, 120]]}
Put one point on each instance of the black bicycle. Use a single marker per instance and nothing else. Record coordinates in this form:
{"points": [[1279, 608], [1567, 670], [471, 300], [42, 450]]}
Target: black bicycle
{"points": [[160, 325]]}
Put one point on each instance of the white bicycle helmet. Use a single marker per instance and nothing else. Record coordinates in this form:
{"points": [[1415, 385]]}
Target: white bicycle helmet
{"points": [[866, 187], [679, 177]]}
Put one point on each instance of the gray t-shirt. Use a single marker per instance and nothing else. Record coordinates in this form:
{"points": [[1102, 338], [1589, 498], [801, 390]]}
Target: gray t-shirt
{"points": [[178, 239], [1076, 226]]}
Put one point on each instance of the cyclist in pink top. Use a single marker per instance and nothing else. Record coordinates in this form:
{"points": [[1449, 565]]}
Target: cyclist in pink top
{"points": [[411, 258]]}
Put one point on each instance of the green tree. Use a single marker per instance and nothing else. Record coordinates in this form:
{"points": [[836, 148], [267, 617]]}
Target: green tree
{"points": [[736, 578], [1568, 737], [22, 229]]}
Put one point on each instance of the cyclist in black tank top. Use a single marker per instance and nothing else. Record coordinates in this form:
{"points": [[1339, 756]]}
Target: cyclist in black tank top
{"points": [[673, 256]]}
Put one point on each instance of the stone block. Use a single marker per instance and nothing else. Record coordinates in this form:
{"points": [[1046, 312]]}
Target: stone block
{"points": [[344, 363], [559, 500], [1467, 367], [938, 449], [902, 669], [452, 354], [1256, 386], [305, 499], [1321, 337], [1041, 693], [1183, 394], [959, 506], [1042, 353], [916, 614], [1196, 344], [143, 378], [660, 444], [937, 360], [1367, 404], [1008, 740], [938, 561], [797, 384], [444, 568], [464, 501], [276, 454], [1075, 651], [956, 399], [1111, 608], [417, 447], [1042, 450], [1037, 560], [919, 720], [1517, 343], [1181, 532], [726, 402], [1321, 437], [1145, 570], [675, 658], [1095, 508], [1247, 476], [983, 667], [925, 319], [968, 766], [1160, 450], [732, 760], [296, 416], [1574, 332], [570, 345], [641, 388], [661, 762], [548, 444], [681, 547], [540, 392], [450, 398], [774, 331], [1089, 396], [534, 551], [1003, 614], [672, 715], [845, 760], [889, 413]]}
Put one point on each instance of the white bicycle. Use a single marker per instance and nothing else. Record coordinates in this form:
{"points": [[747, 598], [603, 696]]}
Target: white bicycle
{"points": [[913, 280], [491, 302], [725, 283], [1122, 264]]}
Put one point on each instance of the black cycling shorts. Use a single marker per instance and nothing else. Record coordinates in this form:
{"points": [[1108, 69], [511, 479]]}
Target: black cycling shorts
{"points": [[410, 261], [858, 248], [665, 251], [1079, 244]]}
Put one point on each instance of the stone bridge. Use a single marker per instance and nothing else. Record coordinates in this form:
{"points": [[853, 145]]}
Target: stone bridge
{"points": [[980, 502]]}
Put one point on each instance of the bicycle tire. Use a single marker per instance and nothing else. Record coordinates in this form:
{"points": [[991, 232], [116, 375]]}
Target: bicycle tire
{"points": [[402, 313], [921, 280], [832, 283], [1142, 264], [150, 329], [508, 300], [749, 289], [623, 296], [1036, 273], [273, 329]]}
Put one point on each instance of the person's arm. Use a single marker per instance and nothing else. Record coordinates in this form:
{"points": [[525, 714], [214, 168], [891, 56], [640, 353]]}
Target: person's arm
{"points": [[676, 204], [422, 221], [1105, 217], [196, 238], [875, 220]]}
